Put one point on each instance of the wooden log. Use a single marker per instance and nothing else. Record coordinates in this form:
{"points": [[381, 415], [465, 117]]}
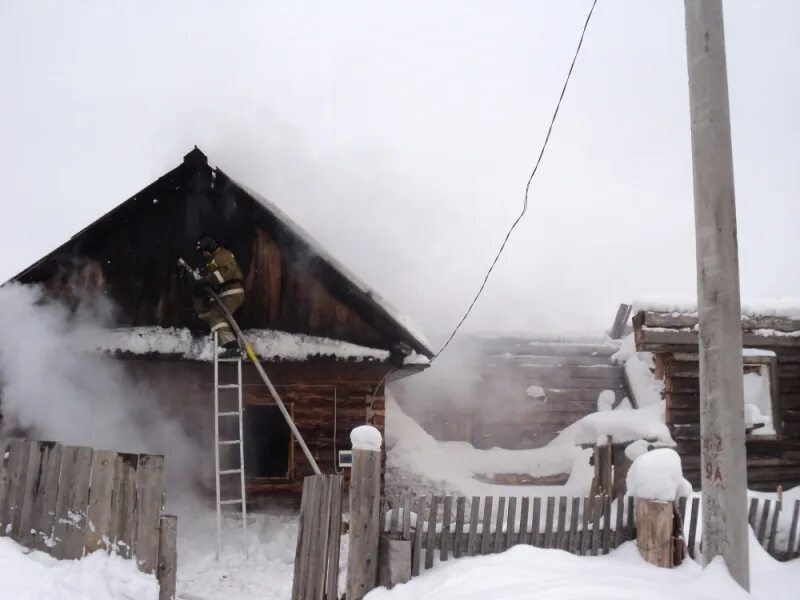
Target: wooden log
{"points": [[167, 556], [472, 539], [365, 494], [548, 522], [562, 521], [101, 488], [122, 527], [73, 499], [459, 533], [486, 531], [430, 546], [419, 530], [792, 531], [44, 511], [335, 535], [654, 531], [510, 522], [444, 549], [573, 541], [587, 511], [23, 530], [693, 526], [536, 539], [149, 504], [498, 526]]}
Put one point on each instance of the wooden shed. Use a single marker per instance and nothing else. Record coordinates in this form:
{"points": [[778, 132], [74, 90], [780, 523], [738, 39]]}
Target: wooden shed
{"points": [[328, 341], [771, 371]]}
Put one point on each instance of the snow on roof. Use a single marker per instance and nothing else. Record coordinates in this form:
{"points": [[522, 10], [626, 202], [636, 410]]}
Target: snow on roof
{"points": [[268, 344], [685, 305], [353, 279]]}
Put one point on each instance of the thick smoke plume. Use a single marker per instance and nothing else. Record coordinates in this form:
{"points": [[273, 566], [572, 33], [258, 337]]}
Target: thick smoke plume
{"points": [[57, 386]]}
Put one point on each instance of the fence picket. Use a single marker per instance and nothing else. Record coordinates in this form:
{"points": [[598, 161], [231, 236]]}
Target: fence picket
{"points": [[510, 522], [474, 509], [498, 526], [631, 518], [406, 517], [334, 536], [416, 549], [535, 523], [23, 527], [444, 545], [99, 508], [17, 469], [618, 531], [751, 515], [693, 526], [44, 512], [123, 501], [458, 539], [149, 500], [562, 521], [773, 530], [587, 511], [548, 522], [606, 524], [762, 527], [486, 531], [523, 520], [597, 513], [5, 479], [73, 498], [792, 531], [430, 546], [572, 538]]}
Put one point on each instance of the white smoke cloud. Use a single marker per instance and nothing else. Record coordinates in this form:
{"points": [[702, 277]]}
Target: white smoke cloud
{"points": [[56, 387]]}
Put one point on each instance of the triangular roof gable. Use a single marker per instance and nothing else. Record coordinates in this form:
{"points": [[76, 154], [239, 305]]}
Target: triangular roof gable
{"points": [[159, 223]]}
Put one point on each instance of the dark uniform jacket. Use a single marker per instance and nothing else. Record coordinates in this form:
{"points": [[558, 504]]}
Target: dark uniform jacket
{"points": [[223, 272]]}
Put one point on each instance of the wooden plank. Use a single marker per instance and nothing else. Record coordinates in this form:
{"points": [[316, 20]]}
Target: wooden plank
{"points": [[523, 520], [574, 537], [122, 525], [303, 549], [536, 539], [149, 500], [620, 321], [444, 546], [562, 521], [472, 536], [486, 532], [18, 464], [597, 513], [335, 534], [322, 523], [73, 499], [430, 546], [631, 529], [44, 512], [5, 480], [406, 533], [510, 522], [793, 531], [167, 555], [22, 529], [751, 516], [394, 516], [606, 524], [98, 527], [619, 531], [654, 521], [693, 525], [762, 527], [548, 522], [585, 534], [416, 548], [773, 530], [498, 527], [459, 534]]}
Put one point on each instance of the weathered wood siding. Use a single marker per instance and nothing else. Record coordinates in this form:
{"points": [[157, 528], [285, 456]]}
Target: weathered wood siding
{"points": [[185, 390]]}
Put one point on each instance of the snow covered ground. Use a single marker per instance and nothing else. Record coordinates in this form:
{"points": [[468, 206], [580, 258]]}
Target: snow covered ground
{"points": [[525, 572]]}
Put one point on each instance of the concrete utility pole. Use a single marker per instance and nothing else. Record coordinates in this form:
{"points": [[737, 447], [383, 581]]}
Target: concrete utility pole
{"points": [[724, 458]]}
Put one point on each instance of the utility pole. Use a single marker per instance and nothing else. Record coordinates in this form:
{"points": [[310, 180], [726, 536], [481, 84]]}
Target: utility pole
{"points": [[724, 457]]}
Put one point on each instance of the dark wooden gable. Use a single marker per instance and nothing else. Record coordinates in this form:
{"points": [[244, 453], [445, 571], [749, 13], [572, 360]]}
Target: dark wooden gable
{"points": [[130, 254]]}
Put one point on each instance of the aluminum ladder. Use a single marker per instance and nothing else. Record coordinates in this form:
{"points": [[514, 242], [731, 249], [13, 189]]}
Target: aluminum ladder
{"points": [[228, 470]]}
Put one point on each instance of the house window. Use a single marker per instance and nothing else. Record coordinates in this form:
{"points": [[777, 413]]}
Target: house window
{"points": [[760, 393], [267, 442]]}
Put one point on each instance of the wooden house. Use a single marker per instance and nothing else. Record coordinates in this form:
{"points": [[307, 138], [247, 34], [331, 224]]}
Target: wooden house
{"points": [[771, 371], [328, 342]]}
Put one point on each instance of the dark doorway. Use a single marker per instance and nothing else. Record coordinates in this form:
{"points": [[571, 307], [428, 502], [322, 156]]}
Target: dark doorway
{"points": [[266, 442]]}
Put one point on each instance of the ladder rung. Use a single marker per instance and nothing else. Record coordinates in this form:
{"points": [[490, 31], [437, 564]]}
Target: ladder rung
{"points": [[229, 442], [229, 414], [239, 501], [229, 360], [230, 471], [228, 386]]}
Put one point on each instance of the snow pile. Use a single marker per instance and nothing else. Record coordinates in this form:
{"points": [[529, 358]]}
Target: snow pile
{"points": [[619, 425], [636, 449], [33, 575], [415, 460], [268, 344], [526, 572], [605, 400], [366, 437], [536, 393], [639, 371], [657, 475], [756, 307]]}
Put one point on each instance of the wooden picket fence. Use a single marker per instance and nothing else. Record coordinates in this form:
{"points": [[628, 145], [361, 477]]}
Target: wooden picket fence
{"points": [[457, 526], [68, 501]]}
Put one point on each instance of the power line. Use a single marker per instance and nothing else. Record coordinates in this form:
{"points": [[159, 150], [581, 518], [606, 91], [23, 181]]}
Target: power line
{"points": [[528, 186]]}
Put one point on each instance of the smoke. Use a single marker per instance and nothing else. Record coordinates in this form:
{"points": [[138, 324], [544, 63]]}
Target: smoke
{"points": [[56, 386]]}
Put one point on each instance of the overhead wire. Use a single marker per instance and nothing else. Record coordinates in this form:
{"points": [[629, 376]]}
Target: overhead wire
{"points": [[527, 186]]}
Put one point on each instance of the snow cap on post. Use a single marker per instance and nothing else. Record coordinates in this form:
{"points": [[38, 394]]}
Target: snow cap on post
{"points": [[366, 437], [657, 475]]}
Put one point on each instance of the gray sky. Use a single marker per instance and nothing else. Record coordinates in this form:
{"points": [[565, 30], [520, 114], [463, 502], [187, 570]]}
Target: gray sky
{"points": [[401, 136]]}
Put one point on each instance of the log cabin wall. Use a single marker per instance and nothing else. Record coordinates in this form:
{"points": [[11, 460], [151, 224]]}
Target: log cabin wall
{"points": [[184, 390], [771, 460]]}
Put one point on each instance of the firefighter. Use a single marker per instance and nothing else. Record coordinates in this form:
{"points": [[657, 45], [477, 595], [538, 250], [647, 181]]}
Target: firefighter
{"points": [[222, 273]]}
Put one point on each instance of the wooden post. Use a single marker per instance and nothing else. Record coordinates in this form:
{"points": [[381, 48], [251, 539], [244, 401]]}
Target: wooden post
{"points": [[167, 556], [654, 531], [601, 484], [621, 465], [724, 459], [365, 495]]}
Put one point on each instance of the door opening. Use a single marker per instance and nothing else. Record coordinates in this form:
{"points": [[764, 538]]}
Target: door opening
{"points": [[266, 442]]}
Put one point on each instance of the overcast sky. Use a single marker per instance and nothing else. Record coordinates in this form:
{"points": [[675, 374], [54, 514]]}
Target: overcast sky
{"points": [[401, 135]]}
